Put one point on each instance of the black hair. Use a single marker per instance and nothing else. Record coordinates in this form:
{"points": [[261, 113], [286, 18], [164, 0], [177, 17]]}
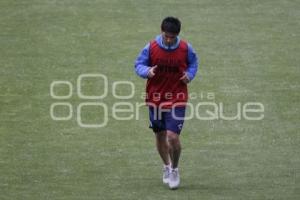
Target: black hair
{"points": [[171, 25]]}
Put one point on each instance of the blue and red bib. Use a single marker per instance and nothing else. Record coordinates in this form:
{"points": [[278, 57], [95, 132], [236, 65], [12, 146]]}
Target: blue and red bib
{"points": [[165, 89]]}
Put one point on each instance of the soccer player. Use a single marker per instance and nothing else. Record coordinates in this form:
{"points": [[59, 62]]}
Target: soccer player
{"points": [[169, 64]]}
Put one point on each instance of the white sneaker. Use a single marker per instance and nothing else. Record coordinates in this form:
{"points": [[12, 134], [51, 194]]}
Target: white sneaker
{"points": [[166, 174], [174, 179]]}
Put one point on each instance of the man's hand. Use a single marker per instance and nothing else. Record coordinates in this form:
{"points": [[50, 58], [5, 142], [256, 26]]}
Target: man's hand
{"points": [[151, 72], [185, 78]]}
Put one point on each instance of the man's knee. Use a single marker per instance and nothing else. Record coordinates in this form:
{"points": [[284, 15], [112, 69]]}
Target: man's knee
{"points": [[161, 136], [173, 138]]}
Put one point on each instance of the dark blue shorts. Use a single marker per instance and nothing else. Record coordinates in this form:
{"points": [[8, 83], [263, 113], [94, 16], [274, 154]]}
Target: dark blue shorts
{"points": [[166, 119]]}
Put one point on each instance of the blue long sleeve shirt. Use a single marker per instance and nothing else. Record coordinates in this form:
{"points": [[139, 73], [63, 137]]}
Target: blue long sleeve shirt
{"points": [[143, 60]]}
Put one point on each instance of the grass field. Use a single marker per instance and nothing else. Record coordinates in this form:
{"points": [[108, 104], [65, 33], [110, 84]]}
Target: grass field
{"points": [[249, 53]]}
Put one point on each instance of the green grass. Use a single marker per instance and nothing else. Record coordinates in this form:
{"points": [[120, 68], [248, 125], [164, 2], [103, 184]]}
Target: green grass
{"points": [[249, 52]]}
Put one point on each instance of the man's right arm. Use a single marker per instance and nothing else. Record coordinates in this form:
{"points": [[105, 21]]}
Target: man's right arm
{"points": [[142, 62]]}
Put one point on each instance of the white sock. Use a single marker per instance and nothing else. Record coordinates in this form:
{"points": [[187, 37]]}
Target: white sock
{"points": [[167, 166]]}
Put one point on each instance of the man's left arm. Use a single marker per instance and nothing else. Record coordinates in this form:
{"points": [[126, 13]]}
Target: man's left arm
{"points": [[192, 67]]}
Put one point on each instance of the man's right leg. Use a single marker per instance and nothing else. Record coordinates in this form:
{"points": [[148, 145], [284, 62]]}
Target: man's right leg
{"points": [[163, 146], [163, 150]]}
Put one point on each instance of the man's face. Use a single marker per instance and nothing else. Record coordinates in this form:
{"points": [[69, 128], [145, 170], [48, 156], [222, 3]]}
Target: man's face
{"points": [[169, 38]]}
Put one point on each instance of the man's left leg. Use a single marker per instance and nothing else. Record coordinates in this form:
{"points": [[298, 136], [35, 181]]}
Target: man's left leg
{"points": [[174, 151], [174, 123]]}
